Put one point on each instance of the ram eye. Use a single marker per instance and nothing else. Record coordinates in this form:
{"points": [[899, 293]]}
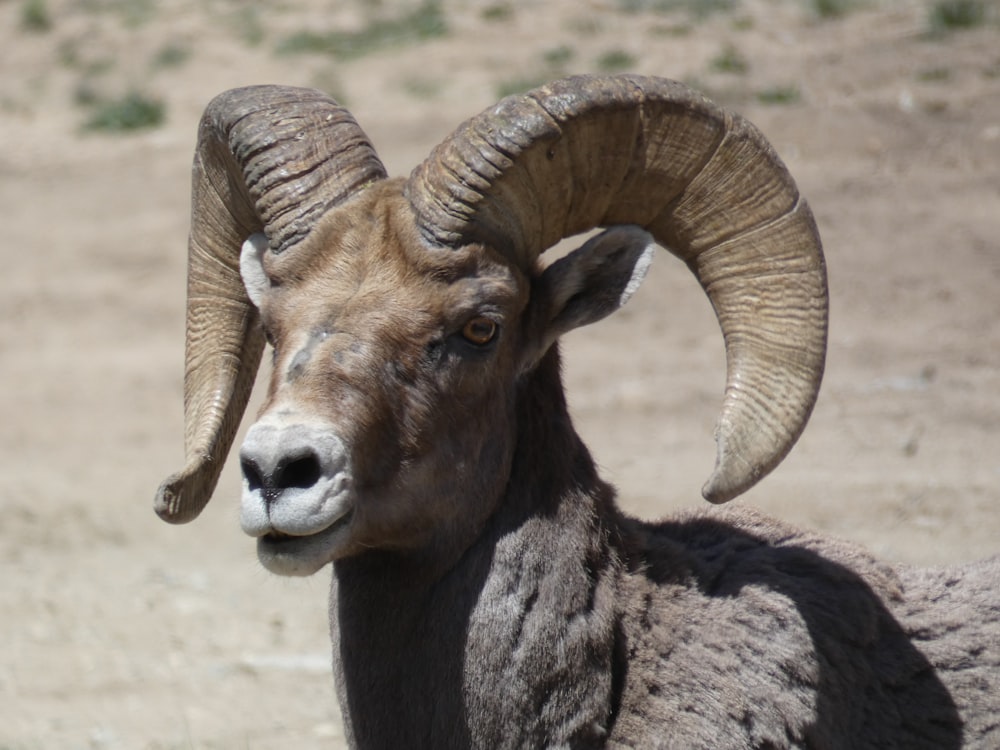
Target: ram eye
{"points": [[480, 331]]}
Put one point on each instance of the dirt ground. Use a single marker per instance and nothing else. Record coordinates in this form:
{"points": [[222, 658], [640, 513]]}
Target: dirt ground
{"points": [[118, 631]]}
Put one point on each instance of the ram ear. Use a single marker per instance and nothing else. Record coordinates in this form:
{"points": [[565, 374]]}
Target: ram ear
{"points": [[589, 283], [252, 271]]}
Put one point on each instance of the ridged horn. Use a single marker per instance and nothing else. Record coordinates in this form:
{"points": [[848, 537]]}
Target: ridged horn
{"points": [[589, 151], [269, 159]]}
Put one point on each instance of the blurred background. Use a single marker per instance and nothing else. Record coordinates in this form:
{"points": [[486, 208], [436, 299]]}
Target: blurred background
{"points": [[118, 631]]}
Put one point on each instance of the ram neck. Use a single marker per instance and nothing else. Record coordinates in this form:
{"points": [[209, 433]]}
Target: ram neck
{"points": [[461, 659]]}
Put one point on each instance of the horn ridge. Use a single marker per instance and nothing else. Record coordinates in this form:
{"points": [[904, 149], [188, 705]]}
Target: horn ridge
{"points": [[271, 159], [590, 151]]}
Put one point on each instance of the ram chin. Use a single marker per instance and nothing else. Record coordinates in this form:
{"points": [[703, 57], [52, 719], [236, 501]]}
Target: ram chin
{"points": [[287, 555]]}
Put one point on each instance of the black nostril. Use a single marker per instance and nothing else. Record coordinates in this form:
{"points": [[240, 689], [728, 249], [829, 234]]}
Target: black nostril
{"points": [[301, 473], [301, 469], [252, 474]]}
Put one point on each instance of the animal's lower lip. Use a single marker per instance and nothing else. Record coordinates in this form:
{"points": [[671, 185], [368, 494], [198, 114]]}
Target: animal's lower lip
{"points": [[281, 539], [290, 555]]}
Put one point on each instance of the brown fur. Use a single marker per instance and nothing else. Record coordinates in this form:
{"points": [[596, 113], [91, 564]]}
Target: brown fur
{"points": [[492, 595]]}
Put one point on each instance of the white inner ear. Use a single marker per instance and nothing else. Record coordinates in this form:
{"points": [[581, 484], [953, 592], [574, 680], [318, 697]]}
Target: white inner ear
{"points": [[252, 267], [591, 282], [639, 271]]}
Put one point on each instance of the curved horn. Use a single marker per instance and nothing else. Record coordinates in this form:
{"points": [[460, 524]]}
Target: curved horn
{"points": [[271, 159], [596, 151]]}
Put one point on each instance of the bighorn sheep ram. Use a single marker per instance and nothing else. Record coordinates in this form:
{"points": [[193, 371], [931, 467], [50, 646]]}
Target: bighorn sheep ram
{"points": [[487, 592]]}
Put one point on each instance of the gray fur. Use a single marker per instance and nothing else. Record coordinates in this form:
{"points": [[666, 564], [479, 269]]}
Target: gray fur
{"points": [[567, 624]]}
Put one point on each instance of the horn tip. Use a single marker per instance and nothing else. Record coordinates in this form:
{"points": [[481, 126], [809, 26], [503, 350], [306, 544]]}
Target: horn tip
{"points": [[178, 500], [719, 489], [733, 474]]}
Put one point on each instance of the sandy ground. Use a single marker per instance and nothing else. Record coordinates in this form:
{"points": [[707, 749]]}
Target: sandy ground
{"points": [[118, 631]]}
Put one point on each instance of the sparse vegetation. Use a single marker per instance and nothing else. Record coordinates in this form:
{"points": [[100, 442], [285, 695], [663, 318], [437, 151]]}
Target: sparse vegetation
{"points": [[423, 23], [615, 60], [135, 12], [553, 65], [697, 8], [133, 111], [950, 15], [559, 56], [420, 87], [171, 56], [248, 26], [521, 84], [672, 29], [786, 94], [85, 94], [934, 75], [730, 60], [35, 16], [828, 9], [497, 12], [86, 60]]}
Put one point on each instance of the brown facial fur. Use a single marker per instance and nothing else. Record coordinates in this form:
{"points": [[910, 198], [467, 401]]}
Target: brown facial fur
{"points": [[366, 325]]}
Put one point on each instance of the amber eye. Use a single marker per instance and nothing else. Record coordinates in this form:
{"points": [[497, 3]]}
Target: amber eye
{"points": [[480, 330]]}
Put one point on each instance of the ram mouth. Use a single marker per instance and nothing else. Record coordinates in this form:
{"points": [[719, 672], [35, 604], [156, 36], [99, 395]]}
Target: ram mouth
{"points": [[302, 555], [276, 536]]}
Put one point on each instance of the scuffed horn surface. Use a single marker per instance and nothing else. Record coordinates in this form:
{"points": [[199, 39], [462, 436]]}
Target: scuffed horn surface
{"points": [[269, 159], [594, 151]]}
